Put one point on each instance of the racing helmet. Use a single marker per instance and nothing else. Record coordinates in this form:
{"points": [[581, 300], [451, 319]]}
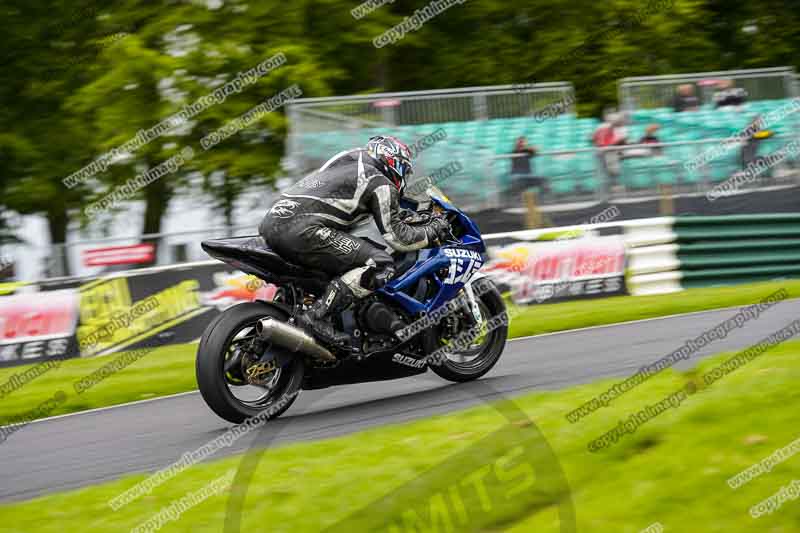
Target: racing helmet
{"points": [[393, 157]]}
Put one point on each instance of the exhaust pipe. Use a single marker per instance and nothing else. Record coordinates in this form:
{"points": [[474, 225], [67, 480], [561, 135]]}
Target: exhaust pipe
{"points": [[292, 338]]}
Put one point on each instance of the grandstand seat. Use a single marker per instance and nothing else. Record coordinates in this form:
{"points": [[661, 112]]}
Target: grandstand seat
{"points": [[473, 142], [561, 185]]}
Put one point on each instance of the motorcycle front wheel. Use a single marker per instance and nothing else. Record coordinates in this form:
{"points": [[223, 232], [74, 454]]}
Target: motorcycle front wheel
{"points": [[467, 363]]}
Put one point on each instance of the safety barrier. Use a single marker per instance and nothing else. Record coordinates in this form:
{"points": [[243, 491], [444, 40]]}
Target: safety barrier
{"points": [[321, 127], [658, 91], [82, 317], [671, 254], [739, 248]]}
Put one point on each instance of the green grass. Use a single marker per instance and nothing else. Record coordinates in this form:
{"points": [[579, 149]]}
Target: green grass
{"points": [[163, 371], [584, 313], [170, 370], [673, 470]]}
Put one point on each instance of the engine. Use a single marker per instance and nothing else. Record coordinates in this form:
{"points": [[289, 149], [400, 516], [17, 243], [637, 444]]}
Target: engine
{"points": [[378, 317]]}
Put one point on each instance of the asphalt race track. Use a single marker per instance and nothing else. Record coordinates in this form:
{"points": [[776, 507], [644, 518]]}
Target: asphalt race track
{"points": [[83, 449]]}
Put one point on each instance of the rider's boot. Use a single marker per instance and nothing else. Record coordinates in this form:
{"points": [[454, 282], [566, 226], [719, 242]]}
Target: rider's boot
{"points": [[316, 320]]}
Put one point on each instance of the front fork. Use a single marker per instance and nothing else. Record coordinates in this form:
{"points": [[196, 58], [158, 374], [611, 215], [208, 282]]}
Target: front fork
{"points": [[472, 302]]}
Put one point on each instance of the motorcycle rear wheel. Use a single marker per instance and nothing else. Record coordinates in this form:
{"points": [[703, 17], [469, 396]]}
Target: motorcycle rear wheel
{"points": [[218, 345]]}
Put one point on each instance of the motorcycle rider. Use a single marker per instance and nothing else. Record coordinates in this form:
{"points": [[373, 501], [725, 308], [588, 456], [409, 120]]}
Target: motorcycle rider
{"points": [[308, 226]]}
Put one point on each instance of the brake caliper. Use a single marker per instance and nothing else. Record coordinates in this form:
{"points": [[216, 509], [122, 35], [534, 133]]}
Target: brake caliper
{"points": [[257, 373]]}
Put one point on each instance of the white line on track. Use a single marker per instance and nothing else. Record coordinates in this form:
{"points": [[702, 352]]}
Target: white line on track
{"points": [[97, 409], [587, 328], [528, 337]]}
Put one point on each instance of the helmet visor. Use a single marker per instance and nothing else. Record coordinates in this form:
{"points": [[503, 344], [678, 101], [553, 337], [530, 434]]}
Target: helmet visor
{"points": [[401, 167]]}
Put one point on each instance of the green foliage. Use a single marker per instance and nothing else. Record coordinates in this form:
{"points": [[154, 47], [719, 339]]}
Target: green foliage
{"points": [[82, 77]]}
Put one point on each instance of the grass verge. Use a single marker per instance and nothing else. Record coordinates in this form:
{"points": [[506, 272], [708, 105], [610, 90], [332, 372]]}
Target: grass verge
{"points": [[673, 470], [163, 371], [170, 370]]}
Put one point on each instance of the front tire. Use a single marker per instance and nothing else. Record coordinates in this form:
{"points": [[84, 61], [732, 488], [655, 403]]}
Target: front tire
{"points": [[471, 364], [220, 340]]}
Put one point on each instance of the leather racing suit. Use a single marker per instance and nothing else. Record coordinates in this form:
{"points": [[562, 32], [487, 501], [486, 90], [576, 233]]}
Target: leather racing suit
{"points": [[308, 226]]}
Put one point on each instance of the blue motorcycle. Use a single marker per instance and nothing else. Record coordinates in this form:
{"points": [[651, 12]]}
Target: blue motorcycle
{"points": [[438, 313]]}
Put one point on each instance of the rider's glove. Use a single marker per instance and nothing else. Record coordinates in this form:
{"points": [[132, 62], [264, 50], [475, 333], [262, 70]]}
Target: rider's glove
{"points": [[438, 231], [405, 214]]}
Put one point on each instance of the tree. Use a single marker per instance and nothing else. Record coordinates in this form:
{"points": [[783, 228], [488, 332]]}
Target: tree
{"points": [[42, 144]]}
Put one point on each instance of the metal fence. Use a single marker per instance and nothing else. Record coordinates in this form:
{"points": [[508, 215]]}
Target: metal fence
{"points": [[564, 176], [630, 171], [659, 91], [66, 259], [411, 115]]}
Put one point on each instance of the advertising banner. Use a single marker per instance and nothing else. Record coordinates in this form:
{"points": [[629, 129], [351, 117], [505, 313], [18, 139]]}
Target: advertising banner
{"points": [[544, 271], [119, 255], [33, 328], [84, 318], [173, 305]]}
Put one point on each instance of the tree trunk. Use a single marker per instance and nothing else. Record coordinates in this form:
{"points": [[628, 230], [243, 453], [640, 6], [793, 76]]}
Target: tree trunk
{"points": [[157, 196], [229, 202], [57, 220]]}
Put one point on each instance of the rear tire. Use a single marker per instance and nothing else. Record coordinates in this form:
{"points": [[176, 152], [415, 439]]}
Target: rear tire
{"points": [[211, 356], [492, 305]]}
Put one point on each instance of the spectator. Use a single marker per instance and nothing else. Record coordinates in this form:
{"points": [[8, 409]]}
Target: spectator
{"points": [[650, 138], [603, 135], [685, 99], [522, 165], [522, 176], [755, 134], [610, 133], [729, 95]]}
